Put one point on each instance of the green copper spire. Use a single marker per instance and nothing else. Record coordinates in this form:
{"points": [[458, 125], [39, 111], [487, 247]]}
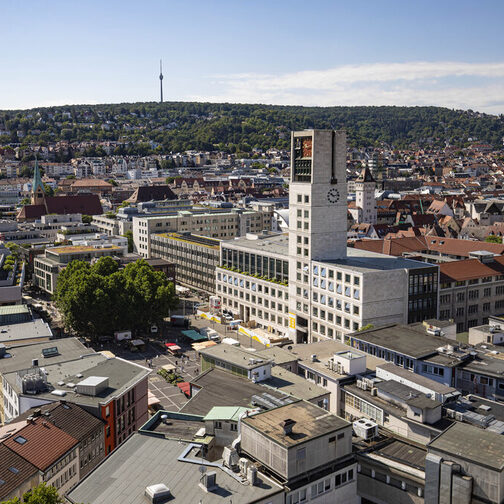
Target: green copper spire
{"points": [[37, 179]]}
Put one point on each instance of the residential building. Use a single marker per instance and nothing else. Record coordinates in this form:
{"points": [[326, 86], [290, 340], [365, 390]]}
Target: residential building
{"points": [[51, 450], [47, 267], [78, 423], [472, 290], [195, 257], [16, 474], [111, 389]]}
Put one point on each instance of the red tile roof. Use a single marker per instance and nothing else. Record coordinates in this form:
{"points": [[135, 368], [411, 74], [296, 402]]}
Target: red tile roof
{"points": [[44, 445], [13, 479], [470, 269]]}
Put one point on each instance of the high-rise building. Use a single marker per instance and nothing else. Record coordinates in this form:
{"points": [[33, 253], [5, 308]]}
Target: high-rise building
{"points": [[309, 285]]}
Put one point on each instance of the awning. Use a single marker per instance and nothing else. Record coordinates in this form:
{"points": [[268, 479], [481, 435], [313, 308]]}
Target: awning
{"points": [[152, 399], [185, 387], [169, 367], [194, 335], [203, 345], [172, 346]]}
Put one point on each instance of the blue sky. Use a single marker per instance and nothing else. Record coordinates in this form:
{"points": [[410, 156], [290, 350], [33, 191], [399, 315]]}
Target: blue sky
{"points": [[357, 52]]}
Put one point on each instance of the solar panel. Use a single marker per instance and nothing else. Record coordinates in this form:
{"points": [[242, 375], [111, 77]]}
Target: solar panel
{"points": [[50, 351]]}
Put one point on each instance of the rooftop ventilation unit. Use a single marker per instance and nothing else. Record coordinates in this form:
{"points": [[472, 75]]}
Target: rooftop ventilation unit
{"points": [[93, 385], [157, 494], [208, 481], [365, 429], [59, 393], [287, 426]]}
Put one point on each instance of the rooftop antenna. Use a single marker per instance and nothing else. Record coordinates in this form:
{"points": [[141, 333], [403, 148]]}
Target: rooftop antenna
{"points": [[161, 79]]}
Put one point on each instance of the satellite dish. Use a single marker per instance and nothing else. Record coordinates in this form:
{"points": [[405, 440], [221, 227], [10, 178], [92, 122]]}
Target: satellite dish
{"points": [[202, 469]]}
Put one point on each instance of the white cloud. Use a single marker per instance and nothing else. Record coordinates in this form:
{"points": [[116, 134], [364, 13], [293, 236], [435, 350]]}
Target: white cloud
{"points": [[451, 84]]}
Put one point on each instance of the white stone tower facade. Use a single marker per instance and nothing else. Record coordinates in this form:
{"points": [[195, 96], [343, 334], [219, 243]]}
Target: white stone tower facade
{"points": [[317, 213], [365, 200]]}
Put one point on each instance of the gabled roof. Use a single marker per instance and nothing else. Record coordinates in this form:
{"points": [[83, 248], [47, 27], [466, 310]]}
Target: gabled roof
{"points": [[41, 443], [68, 417], [12, 479], [152, 193], [88, 204]]}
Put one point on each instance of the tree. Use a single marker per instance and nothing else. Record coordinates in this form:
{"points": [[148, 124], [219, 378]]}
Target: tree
{"points": [[100, 299], [129, 235], [25, 201], [41, 494], [87, 219], [493, 239], [71, 177], [49, 191]]}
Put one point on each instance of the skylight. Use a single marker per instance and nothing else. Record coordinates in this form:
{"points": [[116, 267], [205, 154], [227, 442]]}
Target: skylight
{"points": [[13, 470], [20, 439]]}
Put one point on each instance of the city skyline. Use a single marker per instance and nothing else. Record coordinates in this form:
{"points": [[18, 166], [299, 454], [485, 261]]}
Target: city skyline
{"points": [[329, 53]]}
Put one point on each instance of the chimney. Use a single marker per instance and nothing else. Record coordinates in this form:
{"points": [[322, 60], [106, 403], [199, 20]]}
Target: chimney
{"points": [[287, 426], [36, 413]]}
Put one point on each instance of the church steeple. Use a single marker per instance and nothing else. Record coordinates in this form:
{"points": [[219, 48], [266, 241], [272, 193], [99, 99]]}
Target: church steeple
{"points": [[38, 193]]}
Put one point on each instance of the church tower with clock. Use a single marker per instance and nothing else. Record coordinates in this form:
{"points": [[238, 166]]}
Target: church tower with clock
{"points": [[318, 196]]}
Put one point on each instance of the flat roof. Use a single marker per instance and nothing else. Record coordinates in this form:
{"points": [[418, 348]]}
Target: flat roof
{"points": [[277, 244], [357, 260], [407, 394], [222, 388], [203, 241], [34, 329], [324, 350], [234, 355], [21, 355], [225, 413], [144, 460], [401, 451], [472, 444], [292, 384], [76, 249], [177, 425], [403, 339], [13, 309], [418, 379], [311, 422], [121, 374]]}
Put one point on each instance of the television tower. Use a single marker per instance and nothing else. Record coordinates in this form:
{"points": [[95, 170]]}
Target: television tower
{"points": [[161, 79]]}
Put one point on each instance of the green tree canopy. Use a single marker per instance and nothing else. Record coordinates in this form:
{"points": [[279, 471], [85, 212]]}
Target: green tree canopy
{"points": [[99, 299], [41, 494], [493, 239]]}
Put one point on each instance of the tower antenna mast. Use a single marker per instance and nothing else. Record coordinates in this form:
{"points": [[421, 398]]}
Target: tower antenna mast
{"points": [[161, 79]]}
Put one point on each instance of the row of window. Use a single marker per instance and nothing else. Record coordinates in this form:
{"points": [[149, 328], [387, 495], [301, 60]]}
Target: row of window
{"points": [[255, 287], [321, 487], [252, 298], [324, 272], [461, 283]]}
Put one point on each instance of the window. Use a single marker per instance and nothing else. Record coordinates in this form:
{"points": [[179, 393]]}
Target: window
{"points": [[341, 435], [218, 425]]}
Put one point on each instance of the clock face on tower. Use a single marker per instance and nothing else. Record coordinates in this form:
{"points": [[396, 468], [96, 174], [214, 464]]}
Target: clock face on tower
{"points": [[333, 195]]}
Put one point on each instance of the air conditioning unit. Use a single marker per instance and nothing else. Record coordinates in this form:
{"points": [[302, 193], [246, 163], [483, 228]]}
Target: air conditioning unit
{"points": [[252, 475], [365, 429], [244, 463]]}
